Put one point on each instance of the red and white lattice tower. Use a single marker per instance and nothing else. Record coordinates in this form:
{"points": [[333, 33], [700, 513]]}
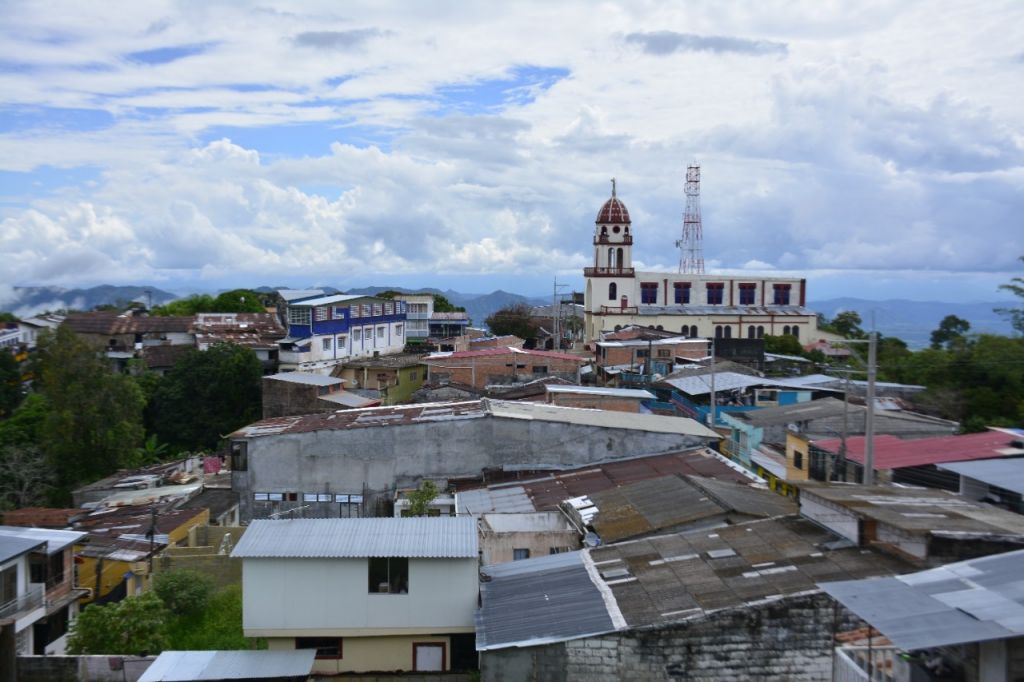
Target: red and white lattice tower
{"points": [[691, 246]]}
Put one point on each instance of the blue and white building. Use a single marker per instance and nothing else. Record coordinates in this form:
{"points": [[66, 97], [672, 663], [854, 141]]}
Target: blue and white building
{"points": [[327, 330]]}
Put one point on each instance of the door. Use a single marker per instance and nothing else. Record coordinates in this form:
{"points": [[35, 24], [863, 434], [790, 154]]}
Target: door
{"points": [[428, 657]]}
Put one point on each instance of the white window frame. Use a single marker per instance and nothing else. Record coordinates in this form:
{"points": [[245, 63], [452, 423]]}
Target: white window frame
{"points": [[357, 334], [380, 332], [301, 316], [328, 342]]}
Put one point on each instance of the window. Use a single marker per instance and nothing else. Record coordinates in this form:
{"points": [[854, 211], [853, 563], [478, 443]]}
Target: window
{"points": [[326, 647], [8, 584], [342, 342], [298, 316], [328, 342], [693, 331], [664, 352], [389, 308], [36, 568], [540, 369], [366, 310], [380, 332], [518, 554], [339, 313], [239, 456], [354, 312], [649, 292], [751, 332], [747, 294], [682, 293], [398, 330], [378, 309], [275, 497], [718, 331], [760, 332], [785, 330], [350, 506], [388, 575], [412, 376], [320, 313], [796, 332], [613, 291], [260, 497], [798, 459], [781, 294], [716, 293], [728, 332]]}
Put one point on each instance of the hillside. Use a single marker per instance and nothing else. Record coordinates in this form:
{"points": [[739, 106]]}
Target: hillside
{"points": [[27, 301]]}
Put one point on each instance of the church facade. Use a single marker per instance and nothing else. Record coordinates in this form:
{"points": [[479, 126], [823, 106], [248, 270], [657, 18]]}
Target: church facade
{"points": [[699, 306]]}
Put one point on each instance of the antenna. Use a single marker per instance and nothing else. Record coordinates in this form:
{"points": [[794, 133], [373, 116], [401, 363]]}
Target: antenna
{"points": [[691, 245]]}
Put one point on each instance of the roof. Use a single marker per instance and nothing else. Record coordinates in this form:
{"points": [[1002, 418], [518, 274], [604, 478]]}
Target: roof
{"points": [[40, 517], [506, 350], [453, 316], [164, 356], [290, 295], [613, 211], [715, 310], [329, 300], [600, 390], [350, 399], [662, 580], [531, 522], [172, 666], [895, 453], [787, 414], [918, 511], [968, 601], [447, 537], [217, 500], [700, 384], [399, 360], [1006, 473], [838, 382], [112, 323], [307, 378], [473, 409], [56, 540], [644, 343], [12, 546], [534, 601]]}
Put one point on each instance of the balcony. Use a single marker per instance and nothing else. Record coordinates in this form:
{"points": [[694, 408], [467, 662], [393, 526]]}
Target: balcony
{"points": [[865, 664], [417, 316], [608, 272], [619, 310], [626, 240], [30, 601]]}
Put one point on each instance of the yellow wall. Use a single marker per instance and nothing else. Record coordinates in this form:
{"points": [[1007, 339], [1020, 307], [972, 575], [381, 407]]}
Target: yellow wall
{"points": [[797, 444], [369, 654]]}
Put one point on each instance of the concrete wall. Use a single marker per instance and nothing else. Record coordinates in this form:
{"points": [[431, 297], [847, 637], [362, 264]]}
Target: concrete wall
{"points": [[285, 398], [597, 402], [369, 654], [330, 597], [74, 668], [482, 370], [379, 458], [789, 639]]}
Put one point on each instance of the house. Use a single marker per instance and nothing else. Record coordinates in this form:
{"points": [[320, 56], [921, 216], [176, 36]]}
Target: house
{"points": [[370, 595], [39, 591], [518, 536], [32, 327], [965, 619], [292, 393], [504, 341], [508, 365], [997, 481], [915, 461], [386, 380], [696, 305], [166, 474], [324, 464], [325, 330], [733, 603], [259, 332], [161, 359], [924, 526], [424, 322], [664, 354], [128, 332], [598, 397]]}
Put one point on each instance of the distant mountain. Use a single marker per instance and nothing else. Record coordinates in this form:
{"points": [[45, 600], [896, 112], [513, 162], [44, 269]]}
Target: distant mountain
{"points": [[27, 301], [914, 321]]}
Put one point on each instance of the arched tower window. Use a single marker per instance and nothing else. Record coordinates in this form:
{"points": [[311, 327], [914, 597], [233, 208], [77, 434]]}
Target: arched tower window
{"points": [[760, 332], [751, 332], [693, 331], [785, 330], [611, 258], [728, 332], [618, 257], [796, 332], [613, 291], [718, 331]]}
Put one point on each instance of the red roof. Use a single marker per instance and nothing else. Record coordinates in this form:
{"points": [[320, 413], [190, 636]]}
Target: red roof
{"points": [[613, 211], [895, 453], [506, 351]]}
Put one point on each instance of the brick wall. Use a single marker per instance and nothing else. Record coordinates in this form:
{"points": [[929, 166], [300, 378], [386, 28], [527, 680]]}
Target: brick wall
{"points": [[598, 402], [790, 639], [285, 398], [481, 370]]}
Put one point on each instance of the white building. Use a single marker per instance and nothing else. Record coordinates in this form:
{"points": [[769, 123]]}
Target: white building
{"points": [[377, 594], [723, 306]]}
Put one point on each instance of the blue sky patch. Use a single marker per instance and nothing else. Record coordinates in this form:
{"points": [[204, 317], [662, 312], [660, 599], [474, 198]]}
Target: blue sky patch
{"points": [[22, 118], [492, 95], [42, 181], [165, 55], [296, 141]]}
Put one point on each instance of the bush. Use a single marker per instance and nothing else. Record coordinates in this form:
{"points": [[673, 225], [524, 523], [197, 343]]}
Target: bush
{"points": [[182, 591]]}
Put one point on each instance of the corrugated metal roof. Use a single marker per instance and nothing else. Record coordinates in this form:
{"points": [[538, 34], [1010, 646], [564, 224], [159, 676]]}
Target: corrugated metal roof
{"points": [[11, 546], [423, 537], [349, 399], [56, 540], [969, 601], [601, 390], [172, 666], [724, 381], [306, 378], [895, 453], [1006, 473], [329, 300], [547, 599], [296, 294], [508, 350], [506, 500]]}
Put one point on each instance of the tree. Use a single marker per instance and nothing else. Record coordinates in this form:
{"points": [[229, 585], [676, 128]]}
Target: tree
{"points": [[133, 626], [184, 592], [94, 421], [783, 345], [443, 305], [10, 384], [514, 319], [847, 323], [25, 426], [25, 477], [196, 303], [206, 395], [1014, 315], [419, 501], [239, 301], [950, 332]]}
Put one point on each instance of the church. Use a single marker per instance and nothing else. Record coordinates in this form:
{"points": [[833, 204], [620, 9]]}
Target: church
{"points": [[695, 305]]}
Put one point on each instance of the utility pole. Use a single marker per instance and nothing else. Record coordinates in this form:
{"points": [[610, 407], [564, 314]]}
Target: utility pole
{"points": [[869, 428], [556, 315], [714, 398]]}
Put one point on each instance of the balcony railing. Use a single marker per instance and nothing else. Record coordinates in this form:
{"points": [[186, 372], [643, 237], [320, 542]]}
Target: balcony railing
{"points": [[608, 272], [864, 664], [417, 316], [619, 310], [605, 239], [29, 601]]}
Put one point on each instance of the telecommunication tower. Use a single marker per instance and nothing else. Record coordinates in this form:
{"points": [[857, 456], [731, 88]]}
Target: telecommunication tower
{"points": [[691, 245]]}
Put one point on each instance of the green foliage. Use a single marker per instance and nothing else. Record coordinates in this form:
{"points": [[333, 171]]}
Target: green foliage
{"points": [[25, 426], [513, 319], [151, 451], [206, 395], [218, 626], [783, 345], [182, 591], [419, 501], [1014, 315], [8, 317], [94, 422], [25, 476], [11, 393], [235, 301], [950, 332], [196, 303], [443, 305], [132, 626], [847, 323]]}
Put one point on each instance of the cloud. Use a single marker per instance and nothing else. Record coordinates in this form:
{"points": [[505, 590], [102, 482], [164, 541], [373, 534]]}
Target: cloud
{"points": [[336, 40], [666, 42]]}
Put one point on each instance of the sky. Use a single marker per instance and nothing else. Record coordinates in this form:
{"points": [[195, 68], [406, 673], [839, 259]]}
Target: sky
{"points": [[876, 148]]}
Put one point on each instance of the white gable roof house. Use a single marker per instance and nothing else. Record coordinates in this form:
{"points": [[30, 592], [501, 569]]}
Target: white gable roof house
{"points": [[369, 594]]}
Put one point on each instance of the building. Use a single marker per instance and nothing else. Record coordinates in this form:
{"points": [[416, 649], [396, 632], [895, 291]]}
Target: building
{"points": [[649, 356], [518, 536], [733, 603], [326, 330], [385, 380], [997, 481], [424, 322], [258, 332], [599, 398], [342, 464], [293, 393], [696, 305], [370, 595], [965, 619], [508, 365], [128, 332], [32, 327], [38, 592]]}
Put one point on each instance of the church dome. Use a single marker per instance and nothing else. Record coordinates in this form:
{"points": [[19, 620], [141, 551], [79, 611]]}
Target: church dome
{"points": [[613, 211]]}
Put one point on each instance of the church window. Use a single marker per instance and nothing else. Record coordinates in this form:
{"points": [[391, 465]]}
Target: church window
{"points": [[618, 258], [781, 294], [747, 294], [728, 332], [682, 294], [751, 332], [716, 293], [613, 291], [796, 332], [718, 331], [649, 292], [785, 330], [760, 331]]}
